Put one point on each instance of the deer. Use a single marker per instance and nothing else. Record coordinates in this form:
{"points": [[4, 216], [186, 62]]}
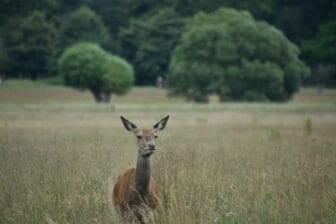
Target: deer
{"points": [[135, 194]]}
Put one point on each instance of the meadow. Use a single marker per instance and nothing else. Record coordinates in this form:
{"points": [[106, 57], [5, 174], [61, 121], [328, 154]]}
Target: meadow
{"points": [[60, 154]]}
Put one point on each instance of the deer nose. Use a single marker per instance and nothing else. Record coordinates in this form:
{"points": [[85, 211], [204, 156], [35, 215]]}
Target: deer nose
{"points": [[151, 146]]}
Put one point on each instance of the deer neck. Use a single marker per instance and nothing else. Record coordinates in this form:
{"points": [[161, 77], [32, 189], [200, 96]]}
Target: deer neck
{"points": [[142, 174]]}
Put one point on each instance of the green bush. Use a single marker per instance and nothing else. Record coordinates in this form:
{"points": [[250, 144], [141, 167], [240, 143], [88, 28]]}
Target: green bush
{"points": [[88, 66], [118, 75], [308, 125], [230, 54]]}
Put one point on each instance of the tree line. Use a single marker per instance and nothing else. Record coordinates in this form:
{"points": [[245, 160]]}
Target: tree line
{"points": [[34, 34]]}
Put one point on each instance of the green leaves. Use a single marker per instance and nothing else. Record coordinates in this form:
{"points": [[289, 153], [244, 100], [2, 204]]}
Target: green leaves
{"points": [[83, 25], [322, 48], [30, 46], [148, 42], [88, 66], [118, 75], [229, 53]]}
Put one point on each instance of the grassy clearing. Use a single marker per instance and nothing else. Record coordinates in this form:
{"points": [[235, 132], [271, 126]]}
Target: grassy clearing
{"points": [[20, 84], [216, 163]]}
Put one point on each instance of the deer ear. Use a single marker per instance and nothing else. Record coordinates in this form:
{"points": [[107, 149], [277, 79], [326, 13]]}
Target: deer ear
{"points": [[129, 125], [161, 124]]}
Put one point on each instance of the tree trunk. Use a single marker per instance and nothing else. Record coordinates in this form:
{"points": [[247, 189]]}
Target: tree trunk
{"points": [[101, 96], [106, 97]]}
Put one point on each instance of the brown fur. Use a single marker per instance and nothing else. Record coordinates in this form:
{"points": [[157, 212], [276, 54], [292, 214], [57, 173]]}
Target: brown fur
{"points": [[124, 189]]}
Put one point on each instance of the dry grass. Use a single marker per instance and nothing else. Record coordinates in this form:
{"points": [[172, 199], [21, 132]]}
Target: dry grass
{"points": [[315, 95], [231, 163], [15, 91]]}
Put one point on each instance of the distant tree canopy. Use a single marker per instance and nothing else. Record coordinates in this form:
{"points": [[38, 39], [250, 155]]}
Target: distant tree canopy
{"points": [[83, 25], [229, 53], [148, 43], [115, 15], [320, 52], [30, 46], [88, 66], [322, 48], [146, 31]]}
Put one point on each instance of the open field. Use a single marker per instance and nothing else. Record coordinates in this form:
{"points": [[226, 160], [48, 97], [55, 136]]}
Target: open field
{"points": [[217, 163]]}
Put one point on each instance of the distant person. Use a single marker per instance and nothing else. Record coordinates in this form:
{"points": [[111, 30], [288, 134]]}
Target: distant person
{"points": [[159, 81]]}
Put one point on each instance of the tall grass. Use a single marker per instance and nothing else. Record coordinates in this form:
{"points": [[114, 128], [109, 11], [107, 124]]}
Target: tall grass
{"points": [[237, 166]]}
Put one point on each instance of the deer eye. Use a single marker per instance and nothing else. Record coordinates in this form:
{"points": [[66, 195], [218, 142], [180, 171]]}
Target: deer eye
{"points": [[139, 136], [155, 136]]}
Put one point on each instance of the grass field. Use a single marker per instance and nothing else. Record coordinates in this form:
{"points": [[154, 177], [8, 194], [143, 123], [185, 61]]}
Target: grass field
{"points": [[60, 154]]}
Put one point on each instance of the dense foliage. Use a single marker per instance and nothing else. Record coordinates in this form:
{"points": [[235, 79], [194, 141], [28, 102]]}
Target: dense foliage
{"points": [[118, 25], [229, 53], [148, 43], [29, 47], [83, 25], [88, 66]]}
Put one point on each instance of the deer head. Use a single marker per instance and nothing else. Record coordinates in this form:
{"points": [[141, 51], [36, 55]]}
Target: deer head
{"points": [[145, 137]]}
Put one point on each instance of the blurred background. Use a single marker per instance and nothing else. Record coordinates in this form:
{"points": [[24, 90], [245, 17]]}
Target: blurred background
{"points": [[238, 50]]}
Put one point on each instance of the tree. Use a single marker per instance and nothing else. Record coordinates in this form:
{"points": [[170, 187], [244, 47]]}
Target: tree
{"points": [[115, 14], [14, 8], [148, 42], [320, 52], [30, 47], [64, 7], [83, 25], [88, 66], [322, 48], [3, 59], [300, 20], [229, 53]]}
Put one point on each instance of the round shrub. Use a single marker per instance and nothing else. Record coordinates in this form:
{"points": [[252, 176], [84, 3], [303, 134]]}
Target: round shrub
{"points": [[88, 66], [230, 54], [118, 75]]}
